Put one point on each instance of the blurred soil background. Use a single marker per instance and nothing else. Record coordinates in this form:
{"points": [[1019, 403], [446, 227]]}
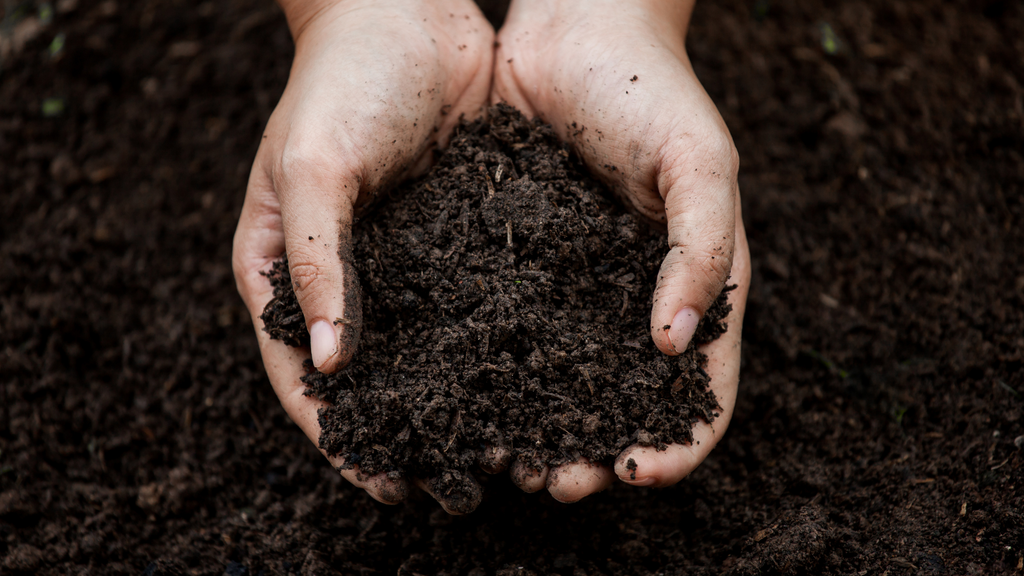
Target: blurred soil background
{"points": [[879, 426]]}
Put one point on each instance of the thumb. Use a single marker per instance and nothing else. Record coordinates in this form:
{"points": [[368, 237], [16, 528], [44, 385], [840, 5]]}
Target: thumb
{"points": [[700, 208], [316, 212]]}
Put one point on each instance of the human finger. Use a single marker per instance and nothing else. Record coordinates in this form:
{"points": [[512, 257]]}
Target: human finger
{"points": [[574, 481], [258, 243], [317, 192], [457, 493], [527, 478], [700, 207], [646, 466], [494, 459]]}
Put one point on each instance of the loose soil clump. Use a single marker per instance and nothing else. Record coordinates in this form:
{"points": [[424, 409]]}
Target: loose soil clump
{"points": [[506, 302]]}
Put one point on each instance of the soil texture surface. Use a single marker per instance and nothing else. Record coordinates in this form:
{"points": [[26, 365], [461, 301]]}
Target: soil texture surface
{"points": [[879, 427], [506, 306]]}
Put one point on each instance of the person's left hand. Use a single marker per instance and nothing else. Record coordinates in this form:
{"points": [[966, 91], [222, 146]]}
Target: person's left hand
{"points": [[613, 77]]}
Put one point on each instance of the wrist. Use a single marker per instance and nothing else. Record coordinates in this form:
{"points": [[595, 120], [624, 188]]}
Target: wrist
{"points": [[669, 16], [301, 14]]}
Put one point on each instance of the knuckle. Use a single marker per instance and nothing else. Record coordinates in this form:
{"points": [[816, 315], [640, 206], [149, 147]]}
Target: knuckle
{"points": [[307, 277], [712, 153], [715, 271], [313, 159], [302, 157], [702, 274], [717, 268]]}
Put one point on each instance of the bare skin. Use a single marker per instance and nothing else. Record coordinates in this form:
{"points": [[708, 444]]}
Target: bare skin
{"points": [[614, 78], [375, 84]]}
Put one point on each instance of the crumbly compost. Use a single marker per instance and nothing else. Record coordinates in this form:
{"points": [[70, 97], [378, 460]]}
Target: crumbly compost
{"points": [[506, 303]]}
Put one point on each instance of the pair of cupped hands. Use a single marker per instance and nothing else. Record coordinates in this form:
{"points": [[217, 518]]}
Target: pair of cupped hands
{"points": [[376, 85]]}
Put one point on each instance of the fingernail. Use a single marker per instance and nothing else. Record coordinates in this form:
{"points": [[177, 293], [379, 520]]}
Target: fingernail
{"points": [[683, 327], [641, 483], [323, 342]]}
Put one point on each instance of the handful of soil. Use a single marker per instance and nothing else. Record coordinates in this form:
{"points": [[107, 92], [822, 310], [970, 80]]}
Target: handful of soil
{"points": [[506, 301]]}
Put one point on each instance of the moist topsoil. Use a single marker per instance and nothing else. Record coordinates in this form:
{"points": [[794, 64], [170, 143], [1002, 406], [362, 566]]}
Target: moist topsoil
{"points": [[506, 306], [880, 404]]}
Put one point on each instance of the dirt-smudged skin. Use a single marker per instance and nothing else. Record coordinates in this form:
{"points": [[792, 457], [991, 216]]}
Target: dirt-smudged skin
{"points": [[352, 321], [506, 304]]}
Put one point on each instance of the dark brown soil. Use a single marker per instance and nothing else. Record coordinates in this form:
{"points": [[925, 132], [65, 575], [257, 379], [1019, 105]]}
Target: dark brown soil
{"points": [[506, 304], [879, 422]]}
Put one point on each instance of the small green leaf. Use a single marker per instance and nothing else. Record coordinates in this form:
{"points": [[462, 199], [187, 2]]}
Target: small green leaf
{"points": [[57, 46], [829, 40], [826, 363], [900, 412], [45, 13], [53, 107]]}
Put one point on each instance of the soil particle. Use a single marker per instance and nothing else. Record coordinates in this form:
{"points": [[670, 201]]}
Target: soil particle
{"points": [[488, 320]]}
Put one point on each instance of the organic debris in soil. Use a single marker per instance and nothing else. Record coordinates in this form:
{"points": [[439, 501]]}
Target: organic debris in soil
{"points": [[506, 303]]}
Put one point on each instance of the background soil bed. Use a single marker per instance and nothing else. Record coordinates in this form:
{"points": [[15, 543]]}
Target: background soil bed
{"points": [[880, 397]]}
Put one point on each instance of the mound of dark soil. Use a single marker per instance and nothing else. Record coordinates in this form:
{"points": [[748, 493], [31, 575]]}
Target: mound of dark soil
{"points": [[506, 304]]}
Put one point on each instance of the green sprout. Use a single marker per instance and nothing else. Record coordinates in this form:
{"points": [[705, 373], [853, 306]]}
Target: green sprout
{"points": [[57, 46], [53, 107], [829, 40], [899, 412], [827, 363], [45, 13]]}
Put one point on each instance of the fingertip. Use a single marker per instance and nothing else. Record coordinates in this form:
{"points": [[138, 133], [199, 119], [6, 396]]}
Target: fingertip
{"points": [[572, 482], [390, 490], [381, 487], [494, 459], [683, 327], [648, 466], [332, 344], [458, 494], [528, 479], [632, 467], [323, 345]]}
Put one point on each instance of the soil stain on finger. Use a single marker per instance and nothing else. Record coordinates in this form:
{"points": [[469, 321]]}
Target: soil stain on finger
{"points": [[631, 466]]}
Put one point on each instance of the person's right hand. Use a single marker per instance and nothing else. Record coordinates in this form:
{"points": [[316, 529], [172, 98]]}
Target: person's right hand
{"points": [[373, 86]]}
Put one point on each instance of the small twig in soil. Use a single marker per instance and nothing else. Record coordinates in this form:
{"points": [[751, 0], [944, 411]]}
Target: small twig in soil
{"points": [[586, 374], [558, 396], [455, 430], [1008, 388]]}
